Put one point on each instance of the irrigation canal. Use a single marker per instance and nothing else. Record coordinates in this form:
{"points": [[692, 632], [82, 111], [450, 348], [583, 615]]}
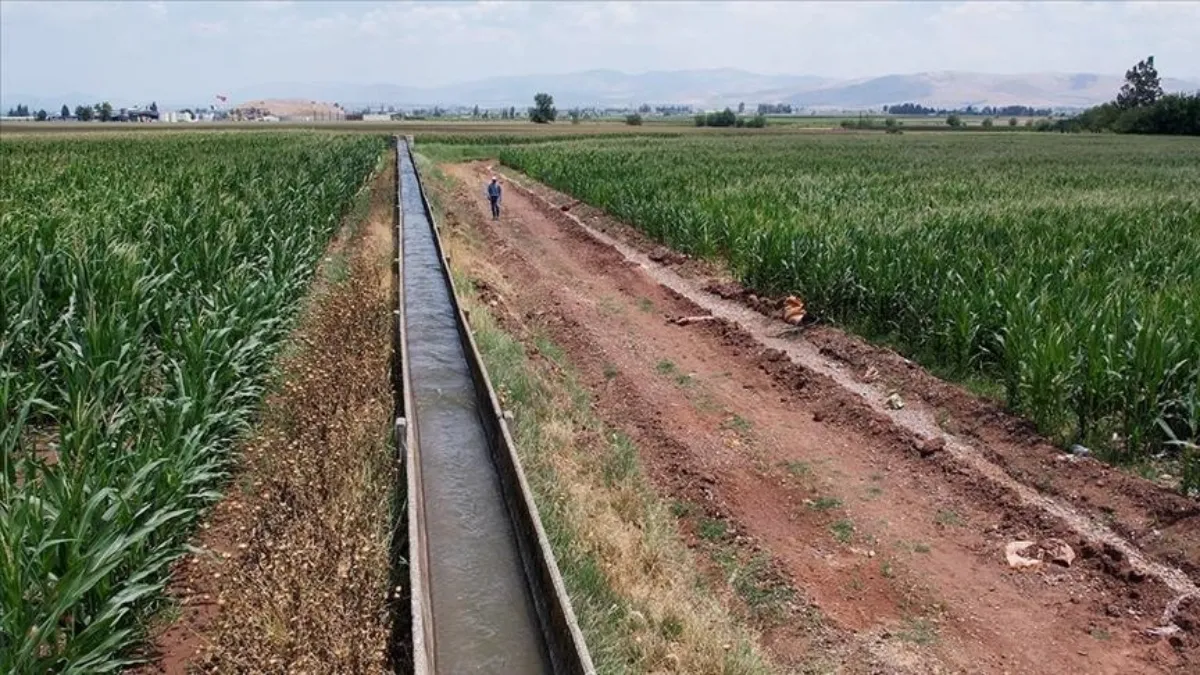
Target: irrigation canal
{"points": [[486, 593]]}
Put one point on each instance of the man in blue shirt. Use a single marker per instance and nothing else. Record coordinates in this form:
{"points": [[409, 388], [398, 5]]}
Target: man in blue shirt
{"points": [[493, 194]]}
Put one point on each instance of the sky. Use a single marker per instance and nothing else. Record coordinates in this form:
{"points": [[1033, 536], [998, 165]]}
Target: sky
{"points": [[182, 50]]}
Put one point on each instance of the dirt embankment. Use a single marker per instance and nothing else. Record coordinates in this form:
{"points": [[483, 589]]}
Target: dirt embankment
{"points": [[894, 540], [291, 572]]}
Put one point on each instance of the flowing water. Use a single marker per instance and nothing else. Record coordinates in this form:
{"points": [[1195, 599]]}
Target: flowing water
{"points": [[484, 619]]}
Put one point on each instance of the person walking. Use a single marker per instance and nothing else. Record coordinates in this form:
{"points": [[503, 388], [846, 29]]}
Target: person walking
{"points": [[493, 194]]}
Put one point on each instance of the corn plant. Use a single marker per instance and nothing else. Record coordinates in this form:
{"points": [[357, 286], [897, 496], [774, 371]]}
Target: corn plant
{"points": [[144, 285]]}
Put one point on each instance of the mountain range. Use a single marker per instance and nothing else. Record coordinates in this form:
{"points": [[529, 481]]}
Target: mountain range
{"points": [[700, 88]]}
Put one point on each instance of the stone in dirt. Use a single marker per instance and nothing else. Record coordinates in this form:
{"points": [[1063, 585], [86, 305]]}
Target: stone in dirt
{"points": [[1015, 553], [1027, 554], [930, 446], [666, 256]]}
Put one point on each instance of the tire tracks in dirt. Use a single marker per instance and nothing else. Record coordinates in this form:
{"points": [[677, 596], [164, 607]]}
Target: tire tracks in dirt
{"points": [[901, 553]]}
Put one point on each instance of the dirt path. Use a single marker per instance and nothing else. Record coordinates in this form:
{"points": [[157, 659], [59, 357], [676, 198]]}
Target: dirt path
{"points": [[291, 571], [896, 542]]}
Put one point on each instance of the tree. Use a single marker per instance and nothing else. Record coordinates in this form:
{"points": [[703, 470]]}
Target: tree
{"points": [[954, 121], [987, 123], [1012, 121], [1142, 86], [757, 122], [512, 113], [154, 106], [65, 112], [104, 111], [575, 114], [543, 110], [634, 119], [644, 108], [475, 111], [83, 113], [42, 115], [741, 108]]}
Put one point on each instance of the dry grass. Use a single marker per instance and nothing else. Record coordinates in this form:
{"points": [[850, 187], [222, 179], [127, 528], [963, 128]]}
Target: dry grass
{"points": [[634, 584]]}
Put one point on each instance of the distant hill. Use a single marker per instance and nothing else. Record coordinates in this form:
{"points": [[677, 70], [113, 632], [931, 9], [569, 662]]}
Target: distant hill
{"points": [[589, 88], [716, 88], [701, 88], [959, 89]]}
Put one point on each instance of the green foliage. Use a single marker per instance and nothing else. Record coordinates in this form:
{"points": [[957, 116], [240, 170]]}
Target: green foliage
{"points": [[633, 119], [954, 121], [725, 118], [1173, 114], [987, 123], [144, 286], [1062, 268], [1140, 108], [543, 110], [1142, 86], [757, 122], [863, 122]]}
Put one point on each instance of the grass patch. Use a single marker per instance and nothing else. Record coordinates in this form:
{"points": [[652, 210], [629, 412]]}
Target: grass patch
{"points": [[711, 529], [843, 530], [645, 304], [668, 368], [797, 468], [682, 509], [610, 371], [739, 424], [947, 518], [621, 462], [918, 631], [766, 597], [826, 504]]}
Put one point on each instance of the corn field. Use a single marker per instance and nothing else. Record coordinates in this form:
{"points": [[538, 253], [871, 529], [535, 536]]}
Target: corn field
{"points": [[145, 284], [1064, 270]]}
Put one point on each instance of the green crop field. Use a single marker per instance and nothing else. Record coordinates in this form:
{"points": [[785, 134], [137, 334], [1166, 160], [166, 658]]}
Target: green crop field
{"points": [[144, 286], [1063, 269]]}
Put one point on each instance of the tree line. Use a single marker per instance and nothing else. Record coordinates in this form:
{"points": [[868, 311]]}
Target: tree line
{"points": [[1140, 107], [774, 108], [728, 118], [989, 111], [102, 112]]}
